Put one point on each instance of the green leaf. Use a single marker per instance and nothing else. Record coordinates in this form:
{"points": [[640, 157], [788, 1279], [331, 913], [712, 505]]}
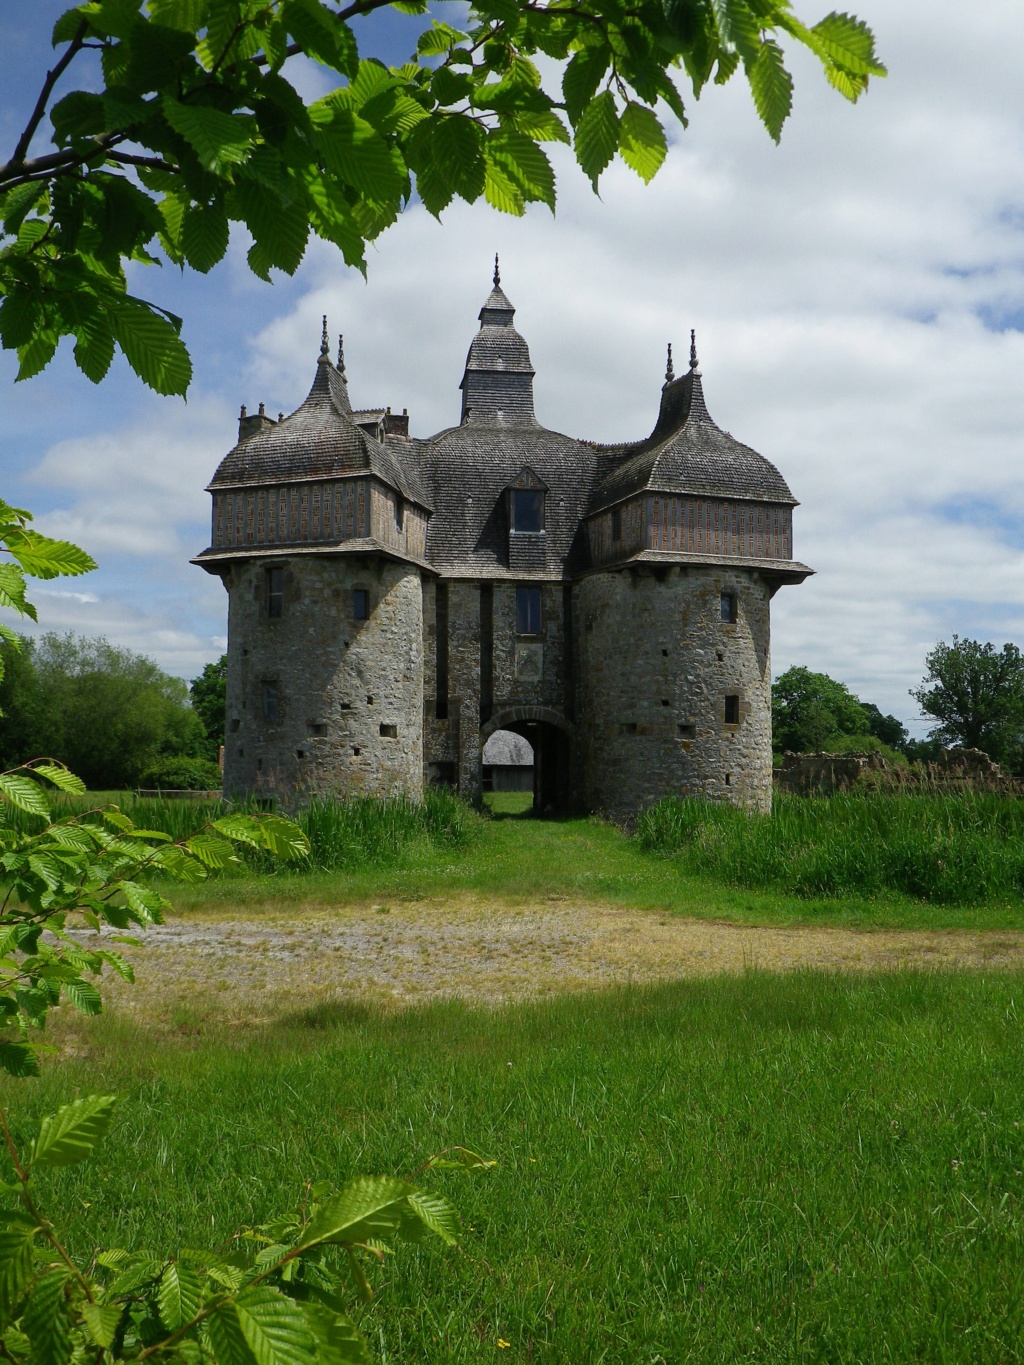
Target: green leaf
{"points": [[772, 87], [152, 347], [219, 140], [101, 1321], [281, 229], [45, 558], [61, 777], [738, 27], [365, 1207], [211, 850], [353, 150], [24, 793], [597, 136], [264, 1326], [849, 42], [74, 1132], [204, 235], [283, 838], [19, 1059], [324, 36], [15, 1260], [94, 348], [642, 140], [17, 203], [46, 1322], [36, 354], [501, 190], [526, 163], [12, 590], [581, 78], [84, 996], [436, 1214], [436, 40], [78, 115], [67, 26], [179, 1295], [339, 1341]]}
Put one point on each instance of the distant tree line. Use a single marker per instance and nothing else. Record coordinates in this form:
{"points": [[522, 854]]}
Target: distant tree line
{"points": [[973, 691], [113, 716]]}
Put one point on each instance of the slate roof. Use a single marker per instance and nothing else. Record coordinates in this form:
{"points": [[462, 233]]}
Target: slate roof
{"points": [[462, 474], [469, 468], [320, 440], [687, 453]]}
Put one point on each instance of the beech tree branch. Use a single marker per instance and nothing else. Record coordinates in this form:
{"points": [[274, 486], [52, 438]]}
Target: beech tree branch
{"points": [[52, 77]]}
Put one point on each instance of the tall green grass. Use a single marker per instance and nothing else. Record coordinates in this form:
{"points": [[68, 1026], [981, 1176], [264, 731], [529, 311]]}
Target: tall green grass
{"points": [[343, 835], [954, 849]]}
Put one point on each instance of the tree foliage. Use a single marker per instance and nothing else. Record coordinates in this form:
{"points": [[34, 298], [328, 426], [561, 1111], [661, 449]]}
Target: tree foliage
{"points": [[186, 124], [209, 699], [107, 713], [808, 709], [976, 693], [812, 712]]}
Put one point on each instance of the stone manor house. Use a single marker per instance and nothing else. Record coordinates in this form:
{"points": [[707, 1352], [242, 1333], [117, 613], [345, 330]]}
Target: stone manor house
{"points": [[393, 602]]}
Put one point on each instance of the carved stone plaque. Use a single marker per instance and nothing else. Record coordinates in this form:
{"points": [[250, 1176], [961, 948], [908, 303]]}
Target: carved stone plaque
{"points": [[529, 662]]}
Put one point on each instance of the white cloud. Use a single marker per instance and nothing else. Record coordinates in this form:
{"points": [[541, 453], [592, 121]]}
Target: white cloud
{"points": [[840, 286]]}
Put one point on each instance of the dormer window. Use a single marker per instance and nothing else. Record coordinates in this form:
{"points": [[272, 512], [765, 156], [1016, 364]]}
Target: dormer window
{"points": [[527, 509], [526, 504]]}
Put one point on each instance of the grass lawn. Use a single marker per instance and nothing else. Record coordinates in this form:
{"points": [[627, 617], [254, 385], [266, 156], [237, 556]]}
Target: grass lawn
{"points": [[762, 1167]]}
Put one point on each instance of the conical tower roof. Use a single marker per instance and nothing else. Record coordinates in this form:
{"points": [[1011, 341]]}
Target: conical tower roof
{"points": [[319, 440], [688, 453]]}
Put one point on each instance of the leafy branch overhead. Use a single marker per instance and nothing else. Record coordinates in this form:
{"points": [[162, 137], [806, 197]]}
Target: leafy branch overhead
{"points": [[188, 123]]}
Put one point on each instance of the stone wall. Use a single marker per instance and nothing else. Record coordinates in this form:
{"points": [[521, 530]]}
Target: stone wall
{"points": [[954, 770], [655, 664], [519, 674], [318, 702]]}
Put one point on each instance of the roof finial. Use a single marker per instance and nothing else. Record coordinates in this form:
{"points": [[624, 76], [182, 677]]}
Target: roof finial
{"points": [[670, 373], [497, 272], [325, 345], [693, 349], [341, 355]]}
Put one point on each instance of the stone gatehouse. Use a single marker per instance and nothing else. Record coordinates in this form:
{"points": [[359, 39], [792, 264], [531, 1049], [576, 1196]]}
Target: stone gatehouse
{"points": [[395, 601]]}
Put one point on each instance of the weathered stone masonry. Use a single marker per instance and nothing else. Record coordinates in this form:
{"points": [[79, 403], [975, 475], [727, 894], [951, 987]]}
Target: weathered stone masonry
{"points": [[393, 601]]}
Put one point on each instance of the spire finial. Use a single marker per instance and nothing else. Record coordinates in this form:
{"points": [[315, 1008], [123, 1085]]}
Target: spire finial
{"points": [[497, 272], [693, 349], [341, 355], [670, 373], [325, 345]]}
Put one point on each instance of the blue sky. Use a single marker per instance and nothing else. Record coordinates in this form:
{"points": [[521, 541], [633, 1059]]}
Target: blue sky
{"points": [[858, 294]]}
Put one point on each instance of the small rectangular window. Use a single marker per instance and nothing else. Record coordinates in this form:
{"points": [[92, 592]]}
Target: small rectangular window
{"points": [[528, 611], [732, 710], [399, 513], [729, 607], [275, 592], [361, 604], [687, 731], [389, 731], [271, 701], [527, 509], [616, 523]]}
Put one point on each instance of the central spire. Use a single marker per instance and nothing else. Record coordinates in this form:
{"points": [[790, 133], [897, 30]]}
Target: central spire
{"points": [[497, 385]]}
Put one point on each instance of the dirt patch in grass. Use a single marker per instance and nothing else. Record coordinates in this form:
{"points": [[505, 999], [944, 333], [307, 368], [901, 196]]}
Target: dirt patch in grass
{"points": [[404, 953]]}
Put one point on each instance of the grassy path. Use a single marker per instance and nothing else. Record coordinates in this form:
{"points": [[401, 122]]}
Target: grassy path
{"points": [[250, 969]]}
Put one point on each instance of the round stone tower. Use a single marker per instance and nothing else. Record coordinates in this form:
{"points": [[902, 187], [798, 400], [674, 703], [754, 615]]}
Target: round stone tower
{"points": [[319, 525], [690, 537]]}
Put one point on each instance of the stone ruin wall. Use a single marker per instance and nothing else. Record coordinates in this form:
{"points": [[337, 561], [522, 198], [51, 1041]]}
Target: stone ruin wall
{"points": [[825, 774]]}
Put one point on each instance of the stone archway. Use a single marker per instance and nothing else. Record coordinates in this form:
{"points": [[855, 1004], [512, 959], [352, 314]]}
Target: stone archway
{"points": [[551, 736]]}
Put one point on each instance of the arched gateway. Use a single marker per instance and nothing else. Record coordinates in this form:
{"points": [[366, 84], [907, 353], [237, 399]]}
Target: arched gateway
{"points": [[393, 601]]}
